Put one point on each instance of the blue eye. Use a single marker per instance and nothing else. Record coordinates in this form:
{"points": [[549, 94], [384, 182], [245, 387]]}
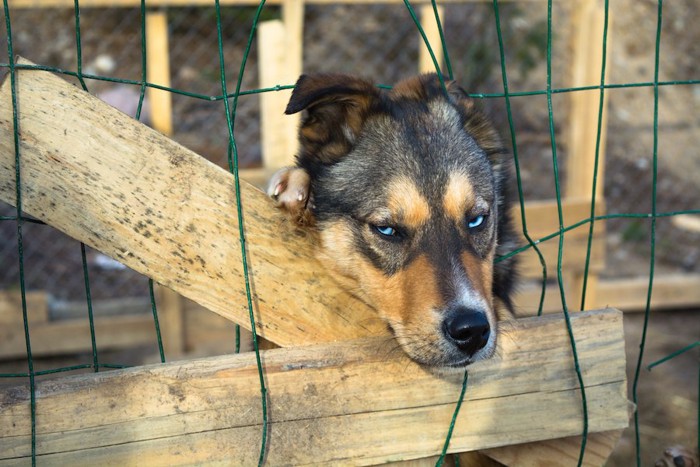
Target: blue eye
{"points": [[476, 221], [385, 230]]}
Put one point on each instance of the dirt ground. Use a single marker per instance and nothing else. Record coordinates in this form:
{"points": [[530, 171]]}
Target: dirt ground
{"points": [[667, 394]]}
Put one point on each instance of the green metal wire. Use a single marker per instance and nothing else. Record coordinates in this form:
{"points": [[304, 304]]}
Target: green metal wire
{"points": [[142, 95], [20, 240], [560, 280], [445, 54], [426, 42], [516, 159], [78, 45], [596, 163], [91, 317], [652, 252], [24, 219], [156, 322], [64, 369], [208, 97], [446, 445], [630, 215], [144, 78], [674, 355], [234, 168], [83, 256]]}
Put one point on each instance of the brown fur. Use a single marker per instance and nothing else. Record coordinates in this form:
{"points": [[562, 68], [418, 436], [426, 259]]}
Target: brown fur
{"points": [[407, 190]]}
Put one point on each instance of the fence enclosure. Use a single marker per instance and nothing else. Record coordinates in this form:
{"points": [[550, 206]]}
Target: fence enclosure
{"points": [[190, 247], [169, 217]]}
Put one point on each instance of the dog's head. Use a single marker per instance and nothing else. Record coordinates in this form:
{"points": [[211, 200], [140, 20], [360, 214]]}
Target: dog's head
{"points": [[406, 197]]}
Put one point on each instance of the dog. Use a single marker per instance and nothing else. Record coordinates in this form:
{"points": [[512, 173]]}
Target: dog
{"points": [[408, 190]]}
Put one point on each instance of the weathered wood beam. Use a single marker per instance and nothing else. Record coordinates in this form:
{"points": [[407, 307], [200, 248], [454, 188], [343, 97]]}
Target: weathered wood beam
{"points": [[355, 401], [670, 291], [53, 338], [126, 190], [562, 452]]}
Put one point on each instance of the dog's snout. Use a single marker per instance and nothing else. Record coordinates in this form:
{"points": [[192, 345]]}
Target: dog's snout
{"points": [[468, 329]]}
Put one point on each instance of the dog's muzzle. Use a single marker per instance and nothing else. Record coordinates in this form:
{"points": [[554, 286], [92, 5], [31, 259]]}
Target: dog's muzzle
{"points": [[468, 330]]}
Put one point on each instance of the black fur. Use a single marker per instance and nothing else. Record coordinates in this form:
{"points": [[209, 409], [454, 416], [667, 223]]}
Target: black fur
{"points": [[394, 132]]}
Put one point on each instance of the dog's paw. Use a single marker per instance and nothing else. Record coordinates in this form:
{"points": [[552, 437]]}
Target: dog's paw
{"points": [[677, 456], [290, 188]]}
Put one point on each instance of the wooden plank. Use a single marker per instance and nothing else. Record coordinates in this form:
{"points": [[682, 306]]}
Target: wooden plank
{"points": [[559, 452], [689, 222], [293, 18], [543, 220], [630, 294], [589, 21], [357, 400], [277, 130], [158, 70], [11, 307], [71, 336], [542, 217], [171, 318], [77, 309], [669, 291], [167, 213], [208, 334], [430, 28], [573, 257]]}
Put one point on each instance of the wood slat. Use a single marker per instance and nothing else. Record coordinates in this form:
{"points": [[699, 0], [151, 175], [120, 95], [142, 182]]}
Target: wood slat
{"points": [[128, 191], [355, 401]]}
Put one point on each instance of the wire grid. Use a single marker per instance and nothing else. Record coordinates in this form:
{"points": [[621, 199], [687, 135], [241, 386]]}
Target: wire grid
{"points": [[233, 113]]}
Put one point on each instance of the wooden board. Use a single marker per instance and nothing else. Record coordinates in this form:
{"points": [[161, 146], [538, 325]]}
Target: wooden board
{"points": [[278, 132], [689, 222], [357, 401], [587, 44], [11, 307], [542, 219], [70, 336], [158, 69], [128, 191], [558, 453], [627, 294], [432, 33]]}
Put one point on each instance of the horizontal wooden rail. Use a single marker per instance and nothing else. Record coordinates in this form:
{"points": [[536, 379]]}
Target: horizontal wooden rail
{"points": [[355, 401], [126, 190]]}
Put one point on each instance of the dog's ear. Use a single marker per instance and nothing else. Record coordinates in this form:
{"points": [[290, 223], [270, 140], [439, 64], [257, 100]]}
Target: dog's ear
{"points": [[336, 107]]}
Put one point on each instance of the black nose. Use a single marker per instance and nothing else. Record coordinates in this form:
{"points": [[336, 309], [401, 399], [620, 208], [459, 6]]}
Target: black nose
{"points": [[468, 329]]}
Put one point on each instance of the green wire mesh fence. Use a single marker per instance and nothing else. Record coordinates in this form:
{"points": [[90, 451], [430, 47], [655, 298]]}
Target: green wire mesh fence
{"points": [[218, 120]]}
